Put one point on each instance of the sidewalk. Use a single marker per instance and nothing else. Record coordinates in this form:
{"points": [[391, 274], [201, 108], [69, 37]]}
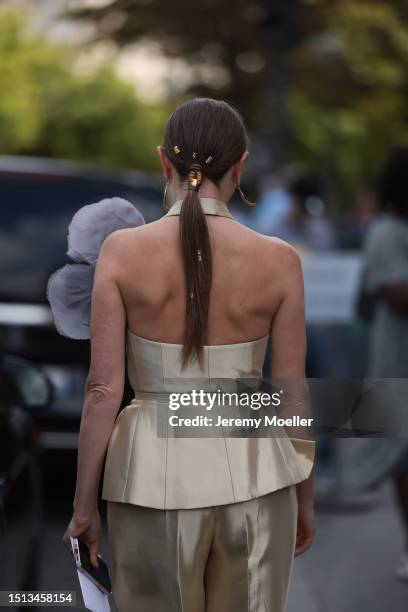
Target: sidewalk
{"points": [[350, 566]]}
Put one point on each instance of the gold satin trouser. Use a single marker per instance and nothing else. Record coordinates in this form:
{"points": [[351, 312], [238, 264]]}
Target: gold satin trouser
{"points": [[230, 558]]}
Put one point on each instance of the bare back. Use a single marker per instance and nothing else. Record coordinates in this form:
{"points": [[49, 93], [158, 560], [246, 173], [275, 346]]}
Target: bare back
{"points": [[252, 273], [257, 289], [248, 286]]}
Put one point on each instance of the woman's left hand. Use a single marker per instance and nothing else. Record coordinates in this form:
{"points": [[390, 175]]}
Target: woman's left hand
{"points": [[305, 528], [88, 529]]}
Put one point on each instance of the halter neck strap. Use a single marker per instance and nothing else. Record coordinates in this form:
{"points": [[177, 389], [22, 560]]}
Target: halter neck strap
{"points": [[210, 206]]}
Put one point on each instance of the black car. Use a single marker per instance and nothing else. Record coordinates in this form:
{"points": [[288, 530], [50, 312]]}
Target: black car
{"points": [[38, 199], [24, 391]]}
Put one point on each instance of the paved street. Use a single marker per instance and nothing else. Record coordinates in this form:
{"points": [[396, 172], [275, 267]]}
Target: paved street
{"points": [[349, 568]]}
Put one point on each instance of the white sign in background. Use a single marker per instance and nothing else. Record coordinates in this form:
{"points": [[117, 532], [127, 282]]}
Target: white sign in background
{"points": [[332, 282]]}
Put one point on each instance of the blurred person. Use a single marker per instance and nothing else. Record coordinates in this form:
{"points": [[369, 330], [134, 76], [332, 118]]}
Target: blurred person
{"points": [[292, 209], [194, 524], [385, 286], [304, 225], [272, 207], [352, 226]]}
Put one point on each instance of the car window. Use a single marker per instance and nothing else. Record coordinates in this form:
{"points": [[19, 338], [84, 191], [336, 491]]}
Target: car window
{"points": [[36, 211]]}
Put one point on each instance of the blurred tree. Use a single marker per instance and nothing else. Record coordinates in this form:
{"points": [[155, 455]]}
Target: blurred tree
{"points": [[349, 104], [341, 66], [233, 41], [20, 122], [47, 108]]}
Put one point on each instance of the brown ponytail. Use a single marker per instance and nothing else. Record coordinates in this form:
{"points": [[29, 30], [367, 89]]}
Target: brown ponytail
{"points": [[196, 252], [207, 137]]}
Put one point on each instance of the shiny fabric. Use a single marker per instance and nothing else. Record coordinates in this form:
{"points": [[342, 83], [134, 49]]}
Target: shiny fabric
{"points": [[167, 472], [173, 473], [233, 558], [211, 206]]}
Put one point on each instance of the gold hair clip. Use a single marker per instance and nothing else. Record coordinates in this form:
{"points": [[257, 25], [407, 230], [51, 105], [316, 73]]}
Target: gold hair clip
{"points": [[199, 255], [191, 295], [209, 159], [176, 149], [195, 177]]}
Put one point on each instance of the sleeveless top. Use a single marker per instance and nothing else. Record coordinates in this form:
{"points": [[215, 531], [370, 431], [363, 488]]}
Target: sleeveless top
{"points": [[167, 472]]}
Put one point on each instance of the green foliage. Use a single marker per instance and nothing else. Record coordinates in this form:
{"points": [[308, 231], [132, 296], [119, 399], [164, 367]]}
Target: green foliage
{"points": [[47, 108], [98, 119], [346, 64], [20, 121], [343, 79], [348, 106]]}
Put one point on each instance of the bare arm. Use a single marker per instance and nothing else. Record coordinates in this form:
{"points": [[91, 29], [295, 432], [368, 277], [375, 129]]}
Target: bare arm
{"points": [[396, 296], [103, 391], [288, 356], [105, 382]]}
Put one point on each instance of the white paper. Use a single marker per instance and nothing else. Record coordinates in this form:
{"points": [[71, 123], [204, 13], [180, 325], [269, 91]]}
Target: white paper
{"points": [[94, 599]]}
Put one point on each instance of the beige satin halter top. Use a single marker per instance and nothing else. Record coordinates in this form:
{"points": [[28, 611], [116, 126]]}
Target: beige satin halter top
{"points": [[169, 472]]}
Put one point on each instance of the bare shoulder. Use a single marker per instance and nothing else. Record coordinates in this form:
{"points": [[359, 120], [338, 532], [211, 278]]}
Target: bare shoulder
{"points": [[277, 253], [284, 254], [131, 249], [115, 246], [119, 241], [285, 268]]}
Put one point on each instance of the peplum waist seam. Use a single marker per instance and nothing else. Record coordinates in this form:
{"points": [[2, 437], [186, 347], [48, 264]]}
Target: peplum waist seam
{"points": [[174, 473]]}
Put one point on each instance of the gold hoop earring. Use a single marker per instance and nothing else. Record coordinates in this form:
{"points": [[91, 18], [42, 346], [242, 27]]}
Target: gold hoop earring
{"points": [[165, 204], [247, 202]]}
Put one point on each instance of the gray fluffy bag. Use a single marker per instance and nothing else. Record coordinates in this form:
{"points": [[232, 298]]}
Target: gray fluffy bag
{"points": [[69, 289]]}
